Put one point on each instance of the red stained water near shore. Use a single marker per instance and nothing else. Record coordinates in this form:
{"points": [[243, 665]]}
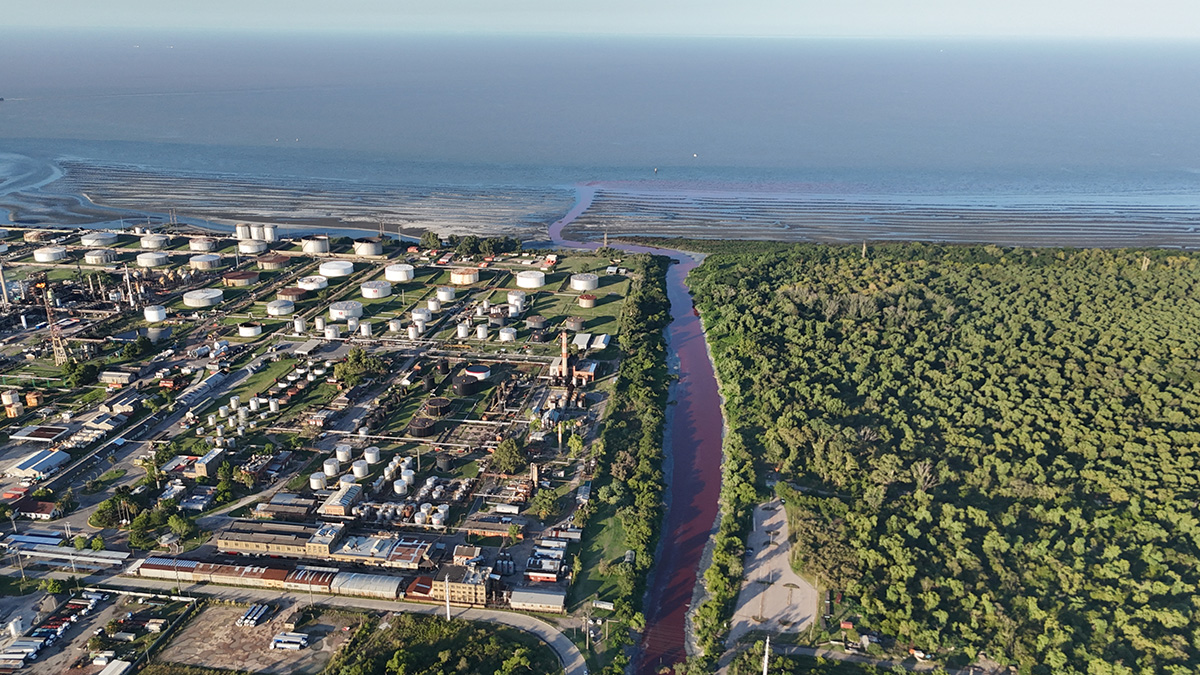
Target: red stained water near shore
{"points": [[694, 462]]}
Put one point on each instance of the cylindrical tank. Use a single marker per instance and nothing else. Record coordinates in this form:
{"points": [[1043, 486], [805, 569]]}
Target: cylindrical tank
{"points": [[443, 462], [315, 243], [408, 475], [371, 455], [496, 320], [319, 323], [438, 406], [399, 272], [100, 256], [531, 279], [400, 487], [395, 325], [434, 305], [360, 469], [98, 239], [240, 278], [508, 334], [536, 322], [352, 324], [273, 405], [313, 283], [437, 520], [205, 261], [426, 508], [364, 329], [333, 332], [299, 324], [280, 307], [421, 427], [336, 268], [256, 232], [291, 293], [10, 396], [422, 314], [254, 404], [517, 300], [465, 385], [478, 371], [344, 309], [464, 330], [343, 453], [249, 329], [419, 518], [272, 261], [331, 467], [242, 231], [204, 297], [585, 281], [50, 254], [375, 289], [481, 331], [587, 301], [155, 241], [443, 367], [270, 232], [368, 246], [464, 276], [575, 323], [348, 479], [251, 247], [413, 333], [155, 313], [202, 244], [152, 259], [445, 293], [223, 411]]}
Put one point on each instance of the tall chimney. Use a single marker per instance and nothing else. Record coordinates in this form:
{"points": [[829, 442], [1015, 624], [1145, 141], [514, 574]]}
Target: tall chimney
{"points": [[3, 285]]}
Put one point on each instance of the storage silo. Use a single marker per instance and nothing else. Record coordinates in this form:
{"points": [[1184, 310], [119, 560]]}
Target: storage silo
{"points": [[365, 329], [203, 244], [156, 241], [270, 232], [375, 289], [256, 232], [368, 246], [205, 261], [481, 331], [344, 309], [251, 247], [204, 297], [343, 452], [155, 313], [413, 333], [352, 324], [464, 276], [280, 307], [587, 301], [98, 239], [313, 283], [317, 481], [242, 231], [508, 334], [585, 281], [371, 455], [273, 405], [99, 256], [531, 279], [399, 272], [360, 468], [445, 294], [319, 322], [49, 254], [464, 330]]}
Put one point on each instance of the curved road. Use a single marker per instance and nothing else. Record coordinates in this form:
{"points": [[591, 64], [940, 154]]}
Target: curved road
{"points": [[692, 467]]}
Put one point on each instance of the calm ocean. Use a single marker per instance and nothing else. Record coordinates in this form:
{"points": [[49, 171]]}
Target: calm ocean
{"points": [[933, 117]]}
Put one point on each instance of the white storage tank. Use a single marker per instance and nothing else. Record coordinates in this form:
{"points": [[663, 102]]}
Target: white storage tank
{"points": [[375, 289], [365, 329], [347, 480], [422, 314], [316, 243], [155, 313], [333, 332], [317, 481], [99, 257], [336, 268], [360, 469], [254, 404], [445, 294], [256, 232], [156, 241], [343, 453], [371, 455], [400, 487], [481, 331], [242, 231], [331, 467], [419, 518], [464, 276], [251, 247], [49, 254], [437, 519], [585, 281], [152, 259], [205, 261], [270, 232], [399, 272], [98, 239], [202, 244], [249, 329], [203, 297], [280, 307], [299, 324], [352, 324], [531, 279], [508, 334], [368, 246], [419, 324], [516, 299], [344, 309], [313, 283], [320, 323], [413, 333], [273, 405], [395, 325], [408, 475], [464, 330]]}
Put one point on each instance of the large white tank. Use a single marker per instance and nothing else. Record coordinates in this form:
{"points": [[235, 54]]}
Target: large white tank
{"points": [[395, 325], [299, 324], [98, 239], [375, 289], [100, 256], [156, 241], [249, 329], [202, 244], [445, 294], [464, 330], [413, 333], [585, 281], [49, 254], [343, 453], [317, 481], [531, 279], [280, 307], [434, 305], [155, 313], [422, 314], [152, 259], [313, 283], [251, 246], [316, 243], [336, 268], [368, 246], [360, 469], [365, 329], [408, 475], [508, 334], [205, 261], [344, 309], [204, 297], [371, 455], [352, 324], [270, 232], [419, 324], [481, 331], [399, 272], [400, 487], [320, 323], [464, 276], [242, 231], [333, 332], [346, 480], [256, 232], [516, 299], [331, 467], [273, 405]]}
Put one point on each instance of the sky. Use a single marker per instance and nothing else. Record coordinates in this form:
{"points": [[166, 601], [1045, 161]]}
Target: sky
{"points": [[1122, 19]]}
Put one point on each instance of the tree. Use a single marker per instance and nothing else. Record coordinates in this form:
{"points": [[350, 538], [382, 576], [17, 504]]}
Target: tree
{"points": [[97, 543], [52, 586], [508, 458], [545, 503], [430, 239], [80, 542], [575, 445], [357, 366], [181, 525], [514, 533]]}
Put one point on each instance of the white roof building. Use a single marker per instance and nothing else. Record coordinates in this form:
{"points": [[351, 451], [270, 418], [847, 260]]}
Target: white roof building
{"points": [[39, 464]]}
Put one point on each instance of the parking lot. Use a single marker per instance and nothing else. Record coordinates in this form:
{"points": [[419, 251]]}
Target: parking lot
{"points": [[213, 640]]}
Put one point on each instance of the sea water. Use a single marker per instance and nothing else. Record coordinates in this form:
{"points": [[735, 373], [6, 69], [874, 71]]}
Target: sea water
{"points": [[945, 118]]}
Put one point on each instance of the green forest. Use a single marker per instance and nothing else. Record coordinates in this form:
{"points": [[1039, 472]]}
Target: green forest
{"points": [[993, 449]]}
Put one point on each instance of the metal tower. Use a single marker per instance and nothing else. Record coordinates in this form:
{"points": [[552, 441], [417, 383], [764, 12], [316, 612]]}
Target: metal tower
{"points": [[56, 339]]}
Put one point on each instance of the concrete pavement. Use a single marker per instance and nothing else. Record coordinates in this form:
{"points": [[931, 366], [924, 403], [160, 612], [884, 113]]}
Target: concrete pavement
{"points": [[773, 597], [568, 654]]}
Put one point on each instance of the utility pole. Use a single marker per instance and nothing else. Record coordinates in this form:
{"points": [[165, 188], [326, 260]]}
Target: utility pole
{"points": [[766, 654], [447, 597]]}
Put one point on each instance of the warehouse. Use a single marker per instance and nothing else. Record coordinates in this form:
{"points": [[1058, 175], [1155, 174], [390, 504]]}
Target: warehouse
{"points": [[366, 585], [550, 599], [38, 465]]}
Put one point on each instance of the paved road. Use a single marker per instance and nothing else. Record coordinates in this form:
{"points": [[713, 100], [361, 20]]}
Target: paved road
{"points": [[773, 597], [568, 653]]}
